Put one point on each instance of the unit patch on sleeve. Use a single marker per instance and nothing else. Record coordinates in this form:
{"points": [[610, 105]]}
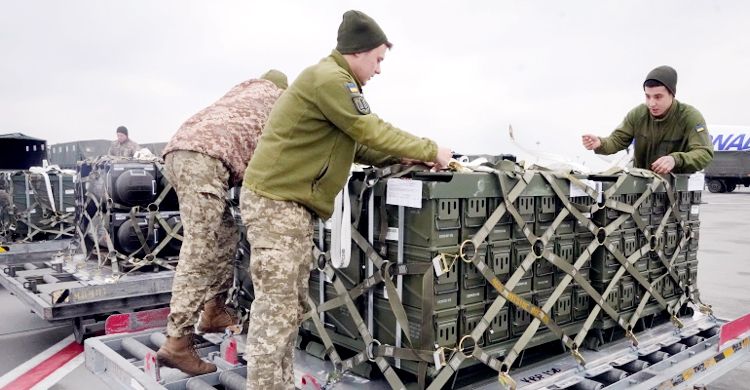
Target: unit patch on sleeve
{"points": [[359, 101]]}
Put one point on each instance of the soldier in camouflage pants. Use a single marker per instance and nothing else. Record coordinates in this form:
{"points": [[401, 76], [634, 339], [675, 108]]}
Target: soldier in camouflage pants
{"points": [[210, 239], [280, 233]]}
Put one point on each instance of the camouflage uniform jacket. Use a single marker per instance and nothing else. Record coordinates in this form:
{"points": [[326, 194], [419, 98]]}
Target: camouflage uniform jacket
{"points": [[317, 129], [228, 129], [125, 149], [681, 133]]}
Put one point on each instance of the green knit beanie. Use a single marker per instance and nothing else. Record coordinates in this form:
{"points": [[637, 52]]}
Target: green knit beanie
{"points": [[359, 33], [276, 77], [665, 75]]}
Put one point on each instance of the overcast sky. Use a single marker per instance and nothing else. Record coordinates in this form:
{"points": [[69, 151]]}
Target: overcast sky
{"points": [[460, 71]]}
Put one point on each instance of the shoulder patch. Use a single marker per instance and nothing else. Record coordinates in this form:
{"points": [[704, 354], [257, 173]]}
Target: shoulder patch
{"points": [[699, 128], [361, 104], [352, 87]]}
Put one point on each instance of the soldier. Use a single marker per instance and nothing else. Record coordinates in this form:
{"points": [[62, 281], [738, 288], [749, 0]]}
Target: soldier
{"points": [[318, 128], [669, 136], [205, 158], [123, 146]]}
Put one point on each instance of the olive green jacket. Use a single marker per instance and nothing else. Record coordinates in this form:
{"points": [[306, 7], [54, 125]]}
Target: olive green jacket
{"points": [[317, 128], [681, 133]]}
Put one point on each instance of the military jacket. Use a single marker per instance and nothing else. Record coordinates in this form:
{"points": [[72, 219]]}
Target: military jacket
{"points": [[318, 127], [681, 133], [125, 149], [228, 130]]}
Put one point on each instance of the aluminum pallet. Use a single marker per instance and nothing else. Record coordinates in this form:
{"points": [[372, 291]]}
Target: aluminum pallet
{"points": [[119, 360], [59, 291]]}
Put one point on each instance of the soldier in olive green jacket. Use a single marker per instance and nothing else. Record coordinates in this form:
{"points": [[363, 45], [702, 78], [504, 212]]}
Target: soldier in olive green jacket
{"points": [[670, 136], [319, 126]]}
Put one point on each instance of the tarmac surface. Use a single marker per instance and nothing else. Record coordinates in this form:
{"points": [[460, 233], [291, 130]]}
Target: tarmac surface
{"points": [[723, 278]]}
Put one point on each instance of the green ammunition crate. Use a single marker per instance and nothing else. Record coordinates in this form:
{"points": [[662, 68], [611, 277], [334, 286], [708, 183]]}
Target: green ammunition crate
{"points": [[682, 275], [470, 315], [519, 318], [499, 255], [681, 257], [472, 290], [565, 247], [473, 216], [613, 299], [580, 303], [659, 202], [444, 324], [583, 240], [436, 224], [628, 286], [446, 286], [499, 329], [338, 320], [697, 196], [502, 230], [350, 275], [562, 310], [692, 267], [671, 239], [546, 207], [604, 264], [695, 231]]}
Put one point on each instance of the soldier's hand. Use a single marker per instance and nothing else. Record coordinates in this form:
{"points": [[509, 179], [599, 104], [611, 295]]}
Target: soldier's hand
{"points": [[663, 164], [443, 157], [591, 141]]}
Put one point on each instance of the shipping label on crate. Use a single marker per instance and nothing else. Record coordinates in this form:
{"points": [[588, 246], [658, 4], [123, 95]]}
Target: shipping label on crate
{"points": [[696, 181], [407, 193], [578, 191]]}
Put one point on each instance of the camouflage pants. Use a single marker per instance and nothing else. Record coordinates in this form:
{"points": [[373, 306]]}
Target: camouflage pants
{"points": [[280, 235], [209, 240]]}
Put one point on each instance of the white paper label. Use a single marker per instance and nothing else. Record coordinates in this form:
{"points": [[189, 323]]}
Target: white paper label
{"points": [[696, 181], [392, 234], [695, 209], [578, 191], [439, 358], [69, 192], [70, 209], [438, 265], [407, 193]]}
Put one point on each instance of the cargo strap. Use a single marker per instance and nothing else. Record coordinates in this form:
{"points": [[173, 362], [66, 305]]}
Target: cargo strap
{"points": [[97, 221]]}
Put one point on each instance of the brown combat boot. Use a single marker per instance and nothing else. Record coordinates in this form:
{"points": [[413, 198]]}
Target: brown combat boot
{"points": [[179, 353], [216, 317]]}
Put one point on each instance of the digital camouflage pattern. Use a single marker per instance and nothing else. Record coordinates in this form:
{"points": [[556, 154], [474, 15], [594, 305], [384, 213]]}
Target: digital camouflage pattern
{"points": [[210, 237], [124, 149], [228, 130], [280, 235]]}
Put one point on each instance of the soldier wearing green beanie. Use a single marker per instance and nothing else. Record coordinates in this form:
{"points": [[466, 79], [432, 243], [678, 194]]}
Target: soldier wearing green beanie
{"points": [[319, 126], [669, 136]]}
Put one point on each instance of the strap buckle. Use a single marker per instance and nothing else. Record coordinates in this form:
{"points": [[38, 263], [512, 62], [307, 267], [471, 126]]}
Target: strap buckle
{"points": [[629, 334], [676, 321], [705, 309], [577, 355], [506, 380]]}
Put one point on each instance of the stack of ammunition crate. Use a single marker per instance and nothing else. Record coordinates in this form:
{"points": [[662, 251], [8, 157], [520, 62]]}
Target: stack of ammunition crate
{"points": [[454, 208], [42, 205]]}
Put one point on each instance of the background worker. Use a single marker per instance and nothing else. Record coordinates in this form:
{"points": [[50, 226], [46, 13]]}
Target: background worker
{"points": [[670, 136], [205, 158], [318, 128], [123, 146]]}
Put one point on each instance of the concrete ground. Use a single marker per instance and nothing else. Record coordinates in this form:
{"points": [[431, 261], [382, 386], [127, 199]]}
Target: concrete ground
{"points": [[723, 278]]}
